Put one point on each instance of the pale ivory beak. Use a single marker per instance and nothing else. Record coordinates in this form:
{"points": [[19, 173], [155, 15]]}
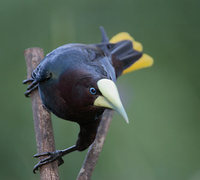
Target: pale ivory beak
{"points": [[110, 98]]}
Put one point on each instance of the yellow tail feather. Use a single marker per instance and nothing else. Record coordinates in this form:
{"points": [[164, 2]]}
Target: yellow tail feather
{"points": [[143, 62]]}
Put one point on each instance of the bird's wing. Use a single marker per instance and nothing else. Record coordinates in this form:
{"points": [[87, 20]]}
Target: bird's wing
{"points": [[129, 51], [41, 73]]}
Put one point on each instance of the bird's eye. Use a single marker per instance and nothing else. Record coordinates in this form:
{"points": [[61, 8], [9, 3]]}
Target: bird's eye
{"points": [[93, 91]]}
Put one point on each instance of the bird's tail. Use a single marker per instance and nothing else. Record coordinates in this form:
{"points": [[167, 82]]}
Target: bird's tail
{"points": [[129, 52]]}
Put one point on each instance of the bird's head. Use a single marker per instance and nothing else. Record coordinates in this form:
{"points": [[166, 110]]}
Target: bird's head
{"points": [[92, 93]]}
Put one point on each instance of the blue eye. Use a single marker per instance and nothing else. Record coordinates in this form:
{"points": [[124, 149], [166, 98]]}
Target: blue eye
{"points": [[93, 91]]}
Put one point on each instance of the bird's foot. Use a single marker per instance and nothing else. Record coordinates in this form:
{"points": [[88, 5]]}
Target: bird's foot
{"points": [[52, 156], [31, 87]]}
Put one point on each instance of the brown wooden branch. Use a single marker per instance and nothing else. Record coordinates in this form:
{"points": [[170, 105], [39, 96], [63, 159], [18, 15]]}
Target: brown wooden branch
{"points": [[42, 119], [95, 149]]}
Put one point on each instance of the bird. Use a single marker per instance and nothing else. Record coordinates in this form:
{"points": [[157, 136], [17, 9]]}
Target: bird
{"points": [[77, 82]]}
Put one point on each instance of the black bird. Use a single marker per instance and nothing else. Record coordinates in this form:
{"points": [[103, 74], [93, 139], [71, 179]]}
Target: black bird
{"points": [[76, 82]]}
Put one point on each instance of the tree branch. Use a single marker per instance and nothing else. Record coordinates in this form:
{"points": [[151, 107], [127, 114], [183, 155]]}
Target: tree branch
{"points": [[42, 119], [95, 149]]}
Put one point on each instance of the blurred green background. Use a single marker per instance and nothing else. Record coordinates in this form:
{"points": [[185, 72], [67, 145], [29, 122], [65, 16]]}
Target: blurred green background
{"points": [[162, 141]]}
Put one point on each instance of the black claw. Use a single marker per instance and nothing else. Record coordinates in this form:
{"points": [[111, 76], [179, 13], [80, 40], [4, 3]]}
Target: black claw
{"points": [[34, 170], [27, 80], [28, 92], [52, 156], [32, 84], [42, 154], [36, 167], [31, 87]]}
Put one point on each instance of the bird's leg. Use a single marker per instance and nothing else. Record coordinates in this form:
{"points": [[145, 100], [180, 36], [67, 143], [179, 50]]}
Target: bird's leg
{"points": [[85, 139], [87, 134], [53, 156]]}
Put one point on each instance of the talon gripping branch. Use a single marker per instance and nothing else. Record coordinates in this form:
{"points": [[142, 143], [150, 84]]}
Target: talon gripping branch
{"points": [[76, 82]]}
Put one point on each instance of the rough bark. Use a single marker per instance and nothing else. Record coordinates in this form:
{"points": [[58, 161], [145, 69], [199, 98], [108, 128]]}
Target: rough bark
{"points": [[42, 118]]}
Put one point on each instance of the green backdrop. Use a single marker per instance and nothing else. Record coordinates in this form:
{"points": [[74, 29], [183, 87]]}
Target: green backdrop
{"points": [[163, 102]]}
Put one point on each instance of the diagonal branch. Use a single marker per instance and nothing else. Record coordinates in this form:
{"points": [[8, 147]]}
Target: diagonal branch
{"points": [[42, 119], [95, 149]]}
